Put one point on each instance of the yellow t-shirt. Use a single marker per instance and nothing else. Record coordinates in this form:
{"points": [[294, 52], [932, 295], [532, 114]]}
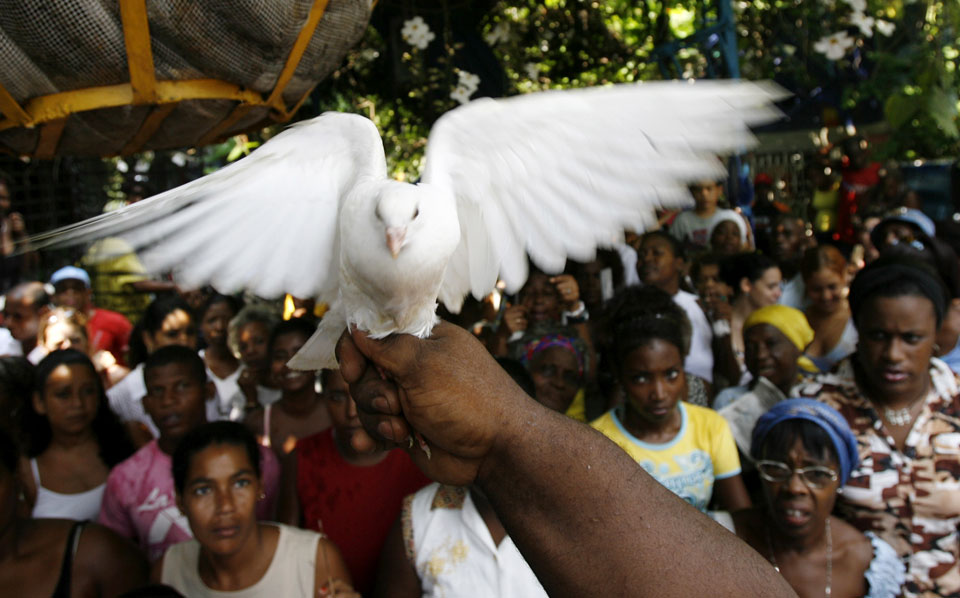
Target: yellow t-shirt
{"points": [[701, 452]]}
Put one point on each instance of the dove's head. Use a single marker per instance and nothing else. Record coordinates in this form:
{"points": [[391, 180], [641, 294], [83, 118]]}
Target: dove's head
{"points": [[398, 210]]}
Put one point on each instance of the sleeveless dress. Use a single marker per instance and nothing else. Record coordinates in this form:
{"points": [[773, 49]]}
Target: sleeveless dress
{"points": [[83, 506], [291, 574]]}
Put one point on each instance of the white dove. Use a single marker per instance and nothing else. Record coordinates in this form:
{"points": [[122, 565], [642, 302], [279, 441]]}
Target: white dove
{"points": [[552, 174]]}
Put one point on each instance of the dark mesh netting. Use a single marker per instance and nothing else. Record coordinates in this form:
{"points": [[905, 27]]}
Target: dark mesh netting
{"points": [[50, 46]]}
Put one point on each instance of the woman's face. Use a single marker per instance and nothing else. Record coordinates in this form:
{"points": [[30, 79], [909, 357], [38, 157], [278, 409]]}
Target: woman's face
{"points": [[220, 498], [897, 335], [653, 380], [541, 299], [556, 377], [65, 335], [769, 353], [765, 290], [797, 506], [176, 329], [286, 346], [252, 342], [725, 239], [827, 290], [69, 399], [214, 324]]}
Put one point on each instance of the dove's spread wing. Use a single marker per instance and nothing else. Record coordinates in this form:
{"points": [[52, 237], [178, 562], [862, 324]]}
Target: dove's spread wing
{"points": [[267, 223], [558, 173]]}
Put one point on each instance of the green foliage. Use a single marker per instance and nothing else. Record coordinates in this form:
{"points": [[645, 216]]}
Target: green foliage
{"points": [[907, 77]]}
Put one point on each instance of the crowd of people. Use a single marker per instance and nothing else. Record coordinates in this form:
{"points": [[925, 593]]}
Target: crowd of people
{"points": [[759, 372]]}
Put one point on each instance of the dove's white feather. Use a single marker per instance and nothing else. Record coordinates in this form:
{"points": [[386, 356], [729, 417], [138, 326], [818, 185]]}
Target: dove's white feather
{"points": [[556, 174], [267, 223], [552, 175]]}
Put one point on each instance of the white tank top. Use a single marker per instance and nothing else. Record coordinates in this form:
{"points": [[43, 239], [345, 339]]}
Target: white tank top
{"points": [[291, 574], [83, 506]]}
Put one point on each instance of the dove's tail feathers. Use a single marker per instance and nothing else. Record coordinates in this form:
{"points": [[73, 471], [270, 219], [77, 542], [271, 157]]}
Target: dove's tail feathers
{"points": [[319, 352]]}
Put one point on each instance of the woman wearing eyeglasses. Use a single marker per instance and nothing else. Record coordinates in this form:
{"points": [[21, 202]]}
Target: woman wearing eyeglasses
{"points": [[903, 406], [805, 451]]}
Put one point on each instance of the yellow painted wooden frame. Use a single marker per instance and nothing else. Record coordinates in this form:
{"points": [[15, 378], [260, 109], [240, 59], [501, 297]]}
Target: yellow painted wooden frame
{"points": [[51, 111]]}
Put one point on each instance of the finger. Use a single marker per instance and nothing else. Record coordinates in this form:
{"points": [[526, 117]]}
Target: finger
{"points": [[375, 395], [352, 361]]}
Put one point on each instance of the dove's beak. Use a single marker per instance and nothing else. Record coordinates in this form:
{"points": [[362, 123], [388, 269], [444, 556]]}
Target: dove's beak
{"points": [[395, 236]]}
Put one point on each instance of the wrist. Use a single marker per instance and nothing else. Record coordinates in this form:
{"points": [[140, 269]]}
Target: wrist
{"points": [[576, 315], [513, 432]]}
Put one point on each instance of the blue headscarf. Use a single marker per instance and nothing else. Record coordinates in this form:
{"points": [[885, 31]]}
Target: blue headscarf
{"points": [[828, 418]]}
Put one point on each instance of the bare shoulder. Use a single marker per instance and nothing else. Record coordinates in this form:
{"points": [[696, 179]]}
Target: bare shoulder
{"points": [[102, 550], [853, 548]]}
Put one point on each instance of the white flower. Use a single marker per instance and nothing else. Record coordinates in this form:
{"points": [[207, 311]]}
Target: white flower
{"points": [[417, 33], [789, 50], [834, 46], [532, 70], [461, 94], [857, 5], [885, 27], [179, 158], [499, 33], [864, 22], [468, 81]]}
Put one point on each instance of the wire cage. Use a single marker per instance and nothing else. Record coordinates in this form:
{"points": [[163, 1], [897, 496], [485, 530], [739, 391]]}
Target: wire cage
{"points": [[109, 77]]}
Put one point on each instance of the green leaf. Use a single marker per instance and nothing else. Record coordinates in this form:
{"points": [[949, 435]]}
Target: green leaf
{"points": [[899, 109], [942, 106]]}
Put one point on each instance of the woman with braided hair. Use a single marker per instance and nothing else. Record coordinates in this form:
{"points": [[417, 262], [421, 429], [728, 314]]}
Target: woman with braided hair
{"points": [[688, 449], [903, 406]]}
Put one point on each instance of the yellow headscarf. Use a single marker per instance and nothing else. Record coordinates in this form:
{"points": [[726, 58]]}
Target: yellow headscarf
{"points": [[789, 321]]}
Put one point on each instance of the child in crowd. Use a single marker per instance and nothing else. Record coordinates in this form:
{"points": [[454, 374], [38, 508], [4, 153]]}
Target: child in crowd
{"points": [[24, 305], [692, 228], [139, 499], [688, 449], [222, 365], [660, 263], [353, 498], [300, 412], [65, 328], [217, 475], [107, 330], [557, 363], [58, 557], [73, 439], [249, 337]]}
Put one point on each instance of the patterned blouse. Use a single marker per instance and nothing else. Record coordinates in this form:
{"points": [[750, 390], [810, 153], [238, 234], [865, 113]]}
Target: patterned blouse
{"points": [[911, 498]]}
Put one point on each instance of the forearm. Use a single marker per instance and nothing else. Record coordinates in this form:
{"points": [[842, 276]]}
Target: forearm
{"points": [[590, 522]]}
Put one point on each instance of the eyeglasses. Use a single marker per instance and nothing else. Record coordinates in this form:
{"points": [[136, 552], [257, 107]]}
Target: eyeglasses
{"points": [[815, 476]]}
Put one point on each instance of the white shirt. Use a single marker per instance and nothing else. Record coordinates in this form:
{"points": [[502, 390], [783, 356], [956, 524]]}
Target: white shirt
{"points": [[454, 554], [699, 361], [9, 345], [794, 293]]}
